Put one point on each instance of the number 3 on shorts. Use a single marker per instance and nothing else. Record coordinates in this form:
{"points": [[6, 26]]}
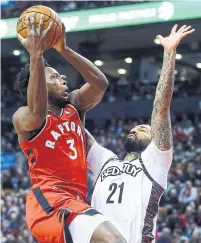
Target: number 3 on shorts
{"points": [[71, 142]]}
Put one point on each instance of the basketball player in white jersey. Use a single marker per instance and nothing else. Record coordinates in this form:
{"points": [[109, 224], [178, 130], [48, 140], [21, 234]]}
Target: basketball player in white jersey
{"points": [[129, 191]]}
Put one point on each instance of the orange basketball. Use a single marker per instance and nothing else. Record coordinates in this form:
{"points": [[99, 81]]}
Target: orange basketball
{"points": [[49, 15]]}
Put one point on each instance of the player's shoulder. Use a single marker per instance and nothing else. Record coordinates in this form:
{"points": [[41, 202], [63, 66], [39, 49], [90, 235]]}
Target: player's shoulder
{"points": [[16, 119], [153, 149], [73, 98], [74, 104], [19, 112]]}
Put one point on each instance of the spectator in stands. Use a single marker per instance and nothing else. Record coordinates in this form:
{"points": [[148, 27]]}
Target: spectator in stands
{"points": [[187, 218], [172, 198], [165, 236], [15, 8], [172, 220], [188, 193]]}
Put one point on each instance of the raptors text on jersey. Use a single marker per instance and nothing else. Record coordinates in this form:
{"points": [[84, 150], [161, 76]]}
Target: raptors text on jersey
{"points": [[57, 154]]}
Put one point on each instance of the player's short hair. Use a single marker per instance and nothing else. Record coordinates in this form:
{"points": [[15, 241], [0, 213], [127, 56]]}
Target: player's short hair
{"points": [[22, 80]]}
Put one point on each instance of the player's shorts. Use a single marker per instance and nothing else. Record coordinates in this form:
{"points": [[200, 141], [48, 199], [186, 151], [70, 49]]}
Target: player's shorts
{"points": [[53, 224]]}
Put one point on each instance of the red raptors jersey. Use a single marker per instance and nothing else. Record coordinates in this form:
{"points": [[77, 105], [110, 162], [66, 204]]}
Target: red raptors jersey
{"points": [[57, 155]]}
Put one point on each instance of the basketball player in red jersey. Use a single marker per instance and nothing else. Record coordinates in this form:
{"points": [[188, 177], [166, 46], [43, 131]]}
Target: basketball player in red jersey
{"points": [[51, 135]]}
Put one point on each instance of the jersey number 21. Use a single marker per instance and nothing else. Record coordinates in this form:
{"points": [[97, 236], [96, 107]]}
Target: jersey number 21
{"points": [[113, 189]]}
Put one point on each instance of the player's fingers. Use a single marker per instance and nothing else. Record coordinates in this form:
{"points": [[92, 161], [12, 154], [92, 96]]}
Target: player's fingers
{"points": [[181, 30], [188, 32], [159, 37], [48, 29], [33, 22], [21, 39], [174, 29], [63, 28], [28, 24], [40, 28], [187, 28]]}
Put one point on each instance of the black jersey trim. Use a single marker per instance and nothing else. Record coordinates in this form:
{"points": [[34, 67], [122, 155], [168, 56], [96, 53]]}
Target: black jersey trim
{"points": [[38, 131], [147, 173], [103, 168], [152, 207], [67, 234], [91, 212], [151, 212], [42, 200]]}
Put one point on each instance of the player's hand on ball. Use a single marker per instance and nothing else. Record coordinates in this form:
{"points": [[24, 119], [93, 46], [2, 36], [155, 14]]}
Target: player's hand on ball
{"points": [[61, 43], [171, 42], [35, 41]]}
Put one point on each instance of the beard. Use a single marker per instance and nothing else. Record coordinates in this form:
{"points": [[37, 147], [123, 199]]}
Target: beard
{"points": [[135, 145], [57, 100]]}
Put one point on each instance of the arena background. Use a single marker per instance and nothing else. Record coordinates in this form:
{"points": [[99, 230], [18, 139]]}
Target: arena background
{"points": [[119, 37]]}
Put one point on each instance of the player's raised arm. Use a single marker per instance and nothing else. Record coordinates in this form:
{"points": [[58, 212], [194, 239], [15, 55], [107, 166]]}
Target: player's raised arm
{"points": [[160, 120], [32, 116], [92, 92]]}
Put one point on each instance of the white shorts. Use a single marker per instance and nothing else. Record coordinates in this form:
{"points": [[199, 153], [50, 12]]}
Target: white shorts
{"points": [[83, 226]]}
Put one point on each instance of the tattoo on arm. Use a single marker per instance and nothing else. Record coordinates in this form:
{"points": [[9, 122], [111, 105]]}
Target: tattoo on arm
{"points": [[160, 120]]}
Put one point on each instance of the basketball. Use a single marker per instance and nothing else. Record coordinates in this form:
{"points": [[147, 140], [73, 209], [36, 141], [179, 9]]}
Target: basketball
{"points": [[49, 15]]}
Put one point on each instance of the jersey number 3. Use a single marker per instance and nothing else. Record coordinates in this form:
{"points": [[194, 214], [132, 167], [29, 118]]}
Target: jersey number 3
{"points": [[113, 188], [74, 155]]}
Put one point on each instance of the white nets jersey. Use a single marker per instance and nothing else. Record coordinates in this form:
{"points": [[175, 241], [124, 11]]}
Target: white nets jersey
{"points": [[129, 192]]}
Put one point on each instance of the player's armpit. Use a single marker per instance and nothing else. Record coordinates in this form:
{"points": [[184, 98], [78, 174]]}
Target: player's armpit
{"points": [[24, 120], [86, 97], [97, 157]]}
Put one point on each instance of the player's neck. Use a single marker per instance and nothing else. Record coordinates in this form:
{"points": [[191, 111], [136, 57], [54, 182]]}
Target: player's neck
{"points": [[54, 109], [131, 156]]}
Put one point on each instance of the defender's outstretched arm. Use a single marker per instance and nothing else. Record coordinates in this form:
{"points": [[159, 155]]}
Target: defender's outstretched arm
{"points": [[160, 120]]}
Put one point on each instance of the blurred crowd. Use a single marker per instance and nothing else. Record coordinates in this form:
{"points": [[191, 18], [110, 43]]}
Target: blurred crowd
{"points": [[11, 9], [134, 88], [125, 88], [179, 218]]}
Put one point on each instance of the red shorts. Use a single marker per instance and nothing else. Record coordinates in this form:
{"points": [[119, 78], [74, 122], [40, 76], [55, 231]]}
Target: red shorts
{"points": [[43, 208]]}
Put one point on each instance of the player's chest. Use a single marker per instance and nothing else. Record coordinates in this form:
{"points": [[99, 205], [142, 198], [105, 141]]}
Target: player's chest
{"points": [[120, 171], [62, 129], [118, 183]]}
